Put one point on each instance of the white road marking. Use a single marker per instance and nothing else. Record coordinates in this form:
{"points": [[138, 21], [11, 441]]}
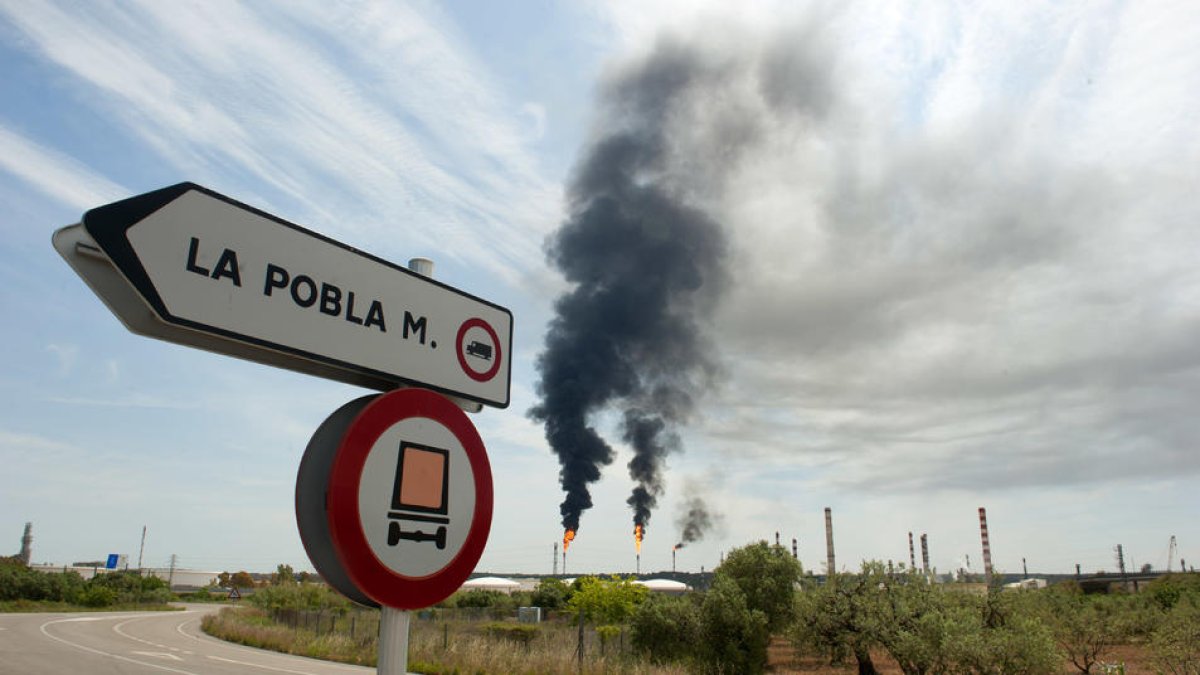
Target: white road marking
{"points": [[161, 655], [255, 665], [118, 631], [118, 657]]}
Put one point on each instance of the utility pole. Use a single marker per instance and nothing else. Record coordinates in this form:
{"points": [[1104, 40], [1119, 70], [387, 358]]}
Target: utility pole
{"points": [[171, 577], [1024, 568]]}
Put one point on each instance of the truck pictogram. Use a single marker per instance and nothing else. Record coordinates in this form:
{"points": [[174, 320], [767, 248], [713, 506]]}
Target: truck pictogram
{"points": [[480, 350]]}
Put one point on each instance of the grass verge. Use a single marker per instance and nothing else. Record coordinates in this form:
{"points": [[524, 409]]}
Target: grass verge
{"points": [[439, 648], [32, 606]]}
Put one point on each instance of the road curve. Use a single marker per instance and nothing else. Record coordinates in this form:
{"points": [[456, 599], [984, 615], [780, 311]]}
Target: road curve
{"points": [[138, 643]]}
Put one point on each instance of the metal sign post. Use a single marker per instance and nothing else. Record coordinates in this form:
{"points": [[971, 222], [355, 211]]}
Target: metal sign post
{"points": [[393, 641]]}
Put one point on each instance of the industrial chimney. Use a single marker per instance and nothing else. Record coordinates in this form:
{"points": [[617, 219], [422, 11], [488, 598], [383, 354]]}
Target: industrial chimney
{"points": [[831, 567], [26, 553], [912, 554], [987, 548], [925, 553]]}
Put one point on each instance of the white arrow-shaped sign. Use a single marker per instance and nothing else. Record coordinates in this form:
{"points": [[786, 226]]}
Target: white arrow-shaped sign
{"points": [[224, 276]]}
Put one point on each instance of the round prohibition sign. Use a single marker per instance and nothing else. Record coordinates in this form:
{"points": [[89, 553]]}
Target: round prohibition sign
{"points": [[443, 521], [463, 350]]}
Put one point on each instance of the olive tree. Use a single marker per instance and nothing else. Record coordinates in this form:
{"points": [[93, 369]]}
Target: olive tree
{"points": [[767, 577]]}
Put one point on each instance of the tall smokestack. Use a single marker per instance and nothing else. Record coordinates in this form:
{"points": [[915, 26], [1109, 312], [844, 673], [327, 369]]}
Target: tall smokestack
{"points": [[912, 554], [925, 553], [26, 553], [830, 565], [987, 547], [555, 559], [795, 551], [141, 550]]}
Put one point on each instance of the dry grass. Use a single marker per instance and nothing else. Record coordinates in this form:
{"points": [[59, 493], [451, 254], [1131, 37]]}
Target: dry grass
{"points": [[436, 648], [784, 660]]}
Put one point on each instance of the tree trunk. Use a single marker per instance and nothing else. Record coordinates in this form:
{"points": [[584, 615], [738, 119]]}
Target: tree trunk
{"points": [[865, 665]]}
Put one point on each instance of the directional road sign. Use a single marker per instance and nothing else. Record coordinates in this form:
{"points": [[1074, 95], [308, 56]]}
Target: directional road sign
{"points": [[409, 499], [201, 269]]}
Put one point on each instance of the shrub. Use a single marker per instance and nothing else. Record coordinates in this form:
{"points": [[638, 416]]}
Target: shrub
{"points": [[480, 598], [767, 577], [298, 596], [522, 633], [608, 601], [666, 629], [1166, 590], [551, 593], [1175, 645], [734, 637], [97, 596]]}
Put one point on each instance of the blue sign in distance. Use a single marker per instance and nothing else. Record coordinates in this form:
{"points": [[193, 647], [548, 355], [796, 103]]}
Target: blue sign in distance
{"points": [[111, 564]]}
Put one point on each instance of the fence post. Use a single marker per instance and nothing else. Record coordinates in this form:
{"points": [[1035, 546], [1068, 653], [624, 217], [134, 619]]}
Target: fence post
{"points": [[579, 648]]}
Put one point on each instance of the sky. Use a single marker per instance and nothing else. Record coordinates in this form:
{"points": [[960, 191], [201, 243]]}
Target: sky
{"points": [[957, 265]]}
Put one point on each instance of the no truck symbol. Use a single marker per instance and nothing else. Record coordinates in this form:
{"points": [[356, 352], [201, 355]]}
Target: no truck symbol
{"points": [[480, 350]]}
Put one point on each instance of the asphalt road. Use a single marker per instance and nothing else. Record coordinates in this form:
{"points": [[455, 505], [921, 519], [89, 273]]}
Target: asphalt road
{"points": [[137, 643]]}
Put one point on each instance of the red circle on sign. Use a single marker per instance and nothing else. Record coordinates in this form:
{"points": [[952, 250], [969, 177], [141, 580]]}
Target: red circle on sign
{"points": [[375, 579], [462, 360]]}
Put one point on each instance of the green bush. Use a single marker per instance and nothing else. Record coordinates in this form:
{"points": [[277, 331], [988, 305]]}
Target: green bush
{"points": [[551, 593], [608, 601], [97, 596], [480, 598], [131, 587], [18, 582], [298, 596], [767, 576], [1166, 590], [522, 633], [1175, 645], [734, 637], [666, 629]]}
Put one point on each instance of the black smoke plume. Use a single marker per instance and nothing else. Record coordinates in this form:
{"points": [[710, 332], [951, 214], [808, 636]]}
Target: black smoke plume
{"points": [[647, 268], [694, 522]]}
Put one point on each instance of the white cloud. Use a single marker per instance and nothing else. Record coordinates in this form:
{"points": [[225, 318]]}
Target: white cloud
{"points": [[54, 174], [406, 137]]}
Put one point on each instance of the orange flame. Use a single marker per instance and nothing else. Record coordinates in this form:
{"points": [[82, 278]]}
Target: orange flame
{"points": [[637, 537], [568, 537]]}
